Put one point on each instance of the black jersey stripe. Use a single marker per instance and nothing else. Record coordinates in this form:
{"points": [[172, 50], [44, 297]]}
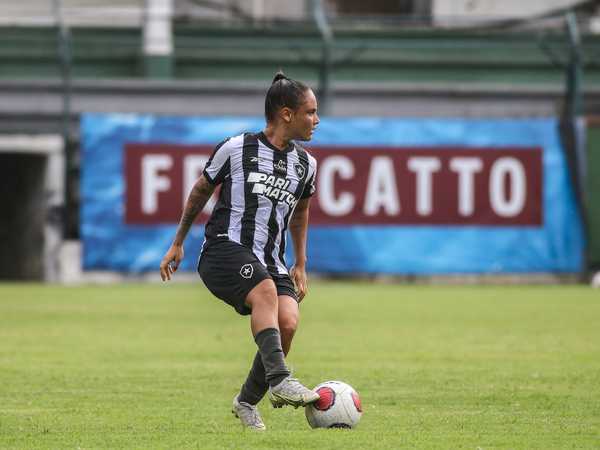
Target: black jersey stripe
{"points": [[280, 160], [218, 224], [306, 193], [273, 231], [225, 169], [303, 159], [249, 164], [221, 173]]}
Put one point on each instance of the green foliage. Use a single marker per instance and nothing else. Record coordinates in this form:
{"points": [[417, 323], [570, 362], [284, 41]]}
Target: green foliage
{"points": [[156, 366]]}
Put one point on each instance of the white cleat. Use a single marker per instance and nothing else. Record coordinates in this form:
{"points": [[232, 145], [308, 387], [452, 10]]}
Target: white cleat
{"points": [[248, 415], [291, 392]]}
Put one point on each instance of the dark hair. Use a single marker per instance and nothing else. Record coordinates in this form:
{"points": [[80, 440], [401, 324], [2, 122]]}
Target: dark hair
{"points": [[283, 92]]}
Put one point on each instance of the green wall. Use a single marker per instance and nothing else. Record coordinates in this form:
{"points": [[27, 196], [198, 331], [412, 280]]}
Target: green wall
{"points": [[96, 53], [213, 51], [593, 192]]}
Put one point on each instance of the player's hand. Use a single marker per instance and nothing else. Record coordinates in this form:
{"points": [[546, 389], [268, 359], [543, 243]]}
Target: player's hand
{"points": [[170, 261], [298, 275]]}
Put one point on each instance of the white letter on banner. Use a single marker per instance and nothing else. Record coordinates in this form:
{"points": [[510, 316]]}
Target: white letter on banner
{"points": [[152, 182], [193, 165], [344, 203], [382, 191], [466, 169], [424, 167], [508, 207]]}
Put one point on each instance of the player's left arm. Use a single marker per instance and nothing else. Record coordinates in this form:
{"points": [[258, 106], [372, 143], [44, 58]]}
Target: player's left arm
{"points": [[298, 230]]}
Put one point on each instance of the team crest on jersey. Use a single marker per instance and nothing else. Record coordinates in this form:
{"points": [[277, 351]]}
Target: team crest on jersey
{"points": [[300, 170], [280, 167], [246, 271]]}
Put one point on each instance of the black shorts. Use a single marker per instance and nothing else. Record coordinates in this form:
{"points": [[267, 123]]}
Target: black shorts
{"points": [[230, 271]]}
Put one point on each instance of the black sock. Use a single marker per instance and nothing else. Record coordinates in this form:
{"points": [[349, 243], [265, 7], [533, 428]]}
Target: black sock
{"points": [[271, 354], [256, 386]]}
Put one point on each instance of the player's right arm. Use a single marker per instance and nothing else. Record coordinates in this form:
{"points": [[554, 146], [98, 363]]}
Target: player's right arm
{"points": [[215, 171], [198, 197]]}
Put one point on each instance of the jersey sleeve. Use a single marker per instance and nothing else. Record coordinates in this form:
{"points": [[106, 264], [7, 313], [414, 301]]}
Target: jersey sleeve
{"points": [[218, 166], [310, 186]]}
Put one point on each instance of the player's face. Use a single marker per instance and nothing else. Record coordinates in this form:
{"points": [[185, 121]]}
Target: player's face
{"points": [[305, 118]]}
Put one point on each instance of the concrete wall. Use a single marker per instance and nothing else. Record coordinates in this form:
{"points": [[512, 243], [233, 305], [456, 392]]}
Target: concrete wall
{"points": [[483, 10], [35, 106], [131, 12], [114, 13]]}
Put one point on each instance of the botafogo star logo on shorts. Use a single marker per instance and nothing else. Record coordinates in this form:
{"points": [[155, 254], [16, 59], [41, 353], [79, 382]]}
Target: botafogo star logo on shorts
{"points": [[246, 271]]}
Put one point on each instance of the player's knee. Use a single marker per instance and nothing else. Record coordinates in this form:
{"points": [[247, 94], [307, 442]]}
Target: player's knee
{"points": [[288, 326]]}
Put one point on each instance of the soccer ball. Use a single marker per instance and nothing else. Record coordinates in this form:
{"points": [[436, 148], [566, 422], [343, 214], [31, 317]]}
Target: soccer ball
{"points": [[338, 407]]}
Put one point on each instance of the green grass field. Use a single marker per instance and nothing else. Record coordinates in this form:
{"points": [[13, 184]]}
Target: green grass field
{"points": [[156, 366]]}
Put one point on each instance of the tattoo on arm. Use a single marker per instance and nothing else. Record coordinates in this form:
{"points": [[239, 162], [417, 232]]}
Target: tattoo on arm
{"points": [[299, 217], [198, 197]]}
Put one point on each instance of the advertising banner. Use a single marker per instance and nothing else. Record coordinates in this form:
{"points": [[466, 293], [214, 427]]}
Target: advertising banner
{"points": [[397, 196]]}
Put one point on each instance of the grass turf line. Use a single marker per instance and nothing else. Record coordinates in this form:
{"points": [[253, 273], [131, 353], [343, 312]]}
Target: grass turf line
{"points": [[156, 366]]}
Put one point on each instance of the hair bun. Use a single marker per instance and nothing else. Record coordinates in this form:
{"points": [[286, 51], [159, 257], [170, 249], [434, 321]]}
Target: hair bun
{"points": [[279, 76]]}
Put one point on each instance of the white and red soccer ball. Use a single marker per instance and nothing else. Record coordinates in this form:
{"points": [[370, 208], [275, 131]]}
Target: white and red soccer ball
{"points": [[338, 407]]}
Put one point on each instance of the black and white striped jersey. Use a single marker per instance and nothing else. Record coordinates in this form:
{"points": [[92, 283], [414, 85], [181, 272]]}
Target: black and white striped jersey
{"points": [[261, 186]]}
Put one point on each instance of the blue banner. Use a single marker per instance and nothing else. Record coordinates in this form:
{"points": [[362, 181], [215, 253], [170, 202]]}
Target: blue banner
{"points": [[422, 196]]}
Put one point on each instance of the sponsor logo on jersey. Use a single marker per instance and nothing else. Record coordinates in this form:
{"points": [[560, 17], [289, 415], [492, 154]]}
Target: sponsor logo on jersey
{"points": [[271, 186]]}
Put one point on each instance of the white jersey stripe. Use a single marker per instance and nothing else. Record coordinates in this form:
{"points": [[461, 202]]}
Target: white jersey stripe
{"points": [[261, 230], [237, 189], [282, 210]]}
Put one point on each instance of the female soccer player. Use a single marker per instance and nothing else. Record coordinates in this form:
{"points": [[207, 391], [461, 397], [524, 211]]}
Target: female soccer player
{"points": [[267, 181]]}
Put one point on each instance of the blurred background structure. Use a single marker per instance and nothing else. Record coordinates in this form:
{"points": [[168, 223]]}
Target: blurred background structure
{"points": [[60, 59]]}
